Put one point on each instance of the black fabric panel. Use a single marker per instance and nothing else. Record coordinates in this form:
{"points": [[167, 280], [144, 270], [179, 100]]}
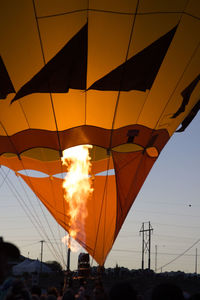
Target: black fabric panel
{"points": [[6, 86], [138, 72], [186, 93], [67, 69], [131, 134], [190, 117]]}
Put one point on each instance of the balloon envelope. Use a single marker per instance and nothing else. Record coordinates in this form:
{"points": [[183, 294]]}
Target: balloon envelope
{"points": [[119, 75]]}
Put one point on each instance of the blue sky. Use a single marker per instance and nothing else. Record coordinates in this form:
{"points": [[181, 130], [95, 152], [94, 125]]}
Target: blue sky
{"points": [[169, 199]]}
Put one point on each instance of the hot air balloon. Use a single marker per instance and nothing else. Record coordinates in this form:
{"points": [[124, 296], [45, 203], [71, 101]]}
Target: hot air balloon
{"points": [[118, 75]]}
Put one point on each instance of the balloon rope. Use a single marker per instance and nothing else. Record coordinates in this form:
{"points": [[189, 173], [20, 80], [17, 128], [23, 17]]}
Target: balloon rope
{"points": [[113, 122], [26, 209], [117, 12], [122, 73], [170, 97], [102, 202], [50, 94], [16, 152], [54, 198], [52, 104], [161, 115], [20, 160], [186, 67], [86, 68], [42, 210]]}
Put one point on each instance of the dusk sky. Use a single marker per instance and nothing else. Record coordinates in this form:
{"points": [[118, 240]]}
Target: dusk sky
{"points": [[169, 199]]}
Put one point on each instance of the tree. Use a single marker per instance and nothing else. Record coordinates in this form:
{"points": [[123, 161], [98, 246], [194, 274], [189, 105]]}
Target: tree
{"points": [[54, 265]]}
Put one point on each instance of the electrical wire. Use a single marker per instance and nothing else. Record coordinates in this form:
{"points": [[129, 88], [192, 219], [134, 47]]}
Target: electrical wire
{"points": [[181, 254]]}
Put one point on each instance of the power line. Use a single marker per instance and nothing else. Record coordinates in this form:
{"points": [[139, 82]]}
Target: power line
{"points": [[161, 213], [175, 225], [158, 253], [180, 255], [24, 246]]}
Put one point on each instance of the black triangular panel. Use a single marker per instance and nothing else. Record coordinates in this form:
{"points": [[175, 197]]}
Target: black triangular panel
{"points": [[67, 69], [186, 93], [138, 72], [189, 117], [6, 86]]}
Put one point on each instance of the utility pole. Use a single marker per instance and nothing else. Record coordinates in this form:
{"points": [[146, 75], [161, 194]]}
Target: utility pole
{"points": [[156, 252], [142, 230], [41, 255], [146, 242], [196, 261]]}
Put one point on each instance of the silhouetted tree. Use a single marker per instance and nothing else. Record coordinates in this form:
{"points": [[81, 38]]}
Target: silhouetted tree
{"points": [[54, 265]]}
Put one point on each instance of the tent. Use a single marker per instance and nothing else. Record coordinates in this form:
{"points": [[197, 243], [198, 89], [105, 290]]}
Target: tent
{"points": [[30, 266], [21, 267]]}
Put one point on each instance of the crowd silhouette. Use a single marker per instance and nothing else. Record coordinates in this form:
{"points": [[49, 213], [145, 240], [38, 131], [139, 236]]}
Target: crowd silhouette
{"points": [[91, 288]]}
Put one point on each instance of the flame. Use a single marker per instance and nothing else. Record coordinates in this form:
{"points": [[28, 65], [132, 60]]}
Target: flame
{"points": [[77, 186], [70, 243]]}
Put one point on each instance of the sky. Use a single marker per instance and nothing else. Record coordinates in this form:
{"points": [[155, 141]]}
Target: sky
{"points": [[169, 200]]}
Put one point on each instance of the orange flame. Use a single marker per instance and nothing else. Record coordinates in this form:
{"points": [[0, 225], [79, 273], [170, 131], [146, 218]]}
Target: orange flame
{"points": [[77, 186], [70, 243]]}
